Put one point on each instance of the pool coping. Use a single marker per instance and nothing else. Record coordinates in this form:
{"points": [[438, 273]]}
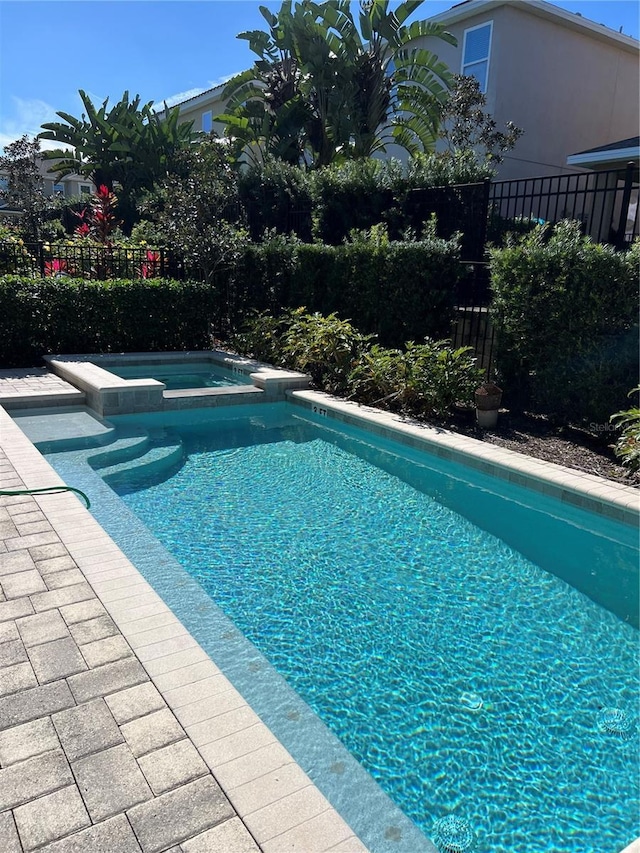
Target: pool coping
{"points": [[270, 792], [617, 501]]}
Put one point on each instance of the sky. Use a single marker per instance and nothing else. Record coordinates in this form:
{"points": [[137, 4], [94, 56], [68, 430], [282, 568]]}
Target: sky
{"points": [[160, 49]]}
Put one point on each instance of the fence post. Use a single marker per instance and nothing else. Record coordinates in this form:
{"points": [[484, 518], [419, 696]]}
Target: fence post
{"points": [[485, 214], [624, 209]]}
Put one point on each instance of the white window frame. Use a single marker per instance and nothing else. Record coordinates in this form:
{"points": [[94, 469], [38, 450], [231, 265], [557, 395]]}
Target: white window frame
{"points": [[464, 65], [208, 113], [85, 189]]}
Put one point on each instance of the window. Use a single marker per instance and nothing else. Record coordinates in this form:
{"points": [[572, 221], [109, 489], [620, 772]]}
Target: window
{"points": [[475, 53], [4, 184], [207, 122], [58, 189], [85, 189]]}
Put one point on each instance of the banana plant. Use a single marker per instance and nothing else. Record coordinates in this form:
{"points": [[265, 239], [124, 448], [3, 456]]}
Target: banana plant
{"points": [[326, 88], [128, 147]]}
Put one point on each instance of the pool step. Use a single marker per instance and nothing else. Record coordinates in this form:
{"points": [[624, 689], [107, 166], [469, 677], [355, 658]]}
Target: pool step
{"points": [[158, 459], [128, 445]]}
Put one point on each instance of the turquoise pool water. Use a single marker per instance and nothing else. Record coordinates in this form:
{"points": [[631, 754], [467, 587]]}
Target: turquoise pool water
{"points": [[182, 375], [429, 615]]}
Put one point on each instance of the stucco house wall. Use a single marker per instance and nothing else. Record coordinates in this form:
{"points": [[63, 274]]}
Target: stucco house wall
{"points": [[569, 83]]}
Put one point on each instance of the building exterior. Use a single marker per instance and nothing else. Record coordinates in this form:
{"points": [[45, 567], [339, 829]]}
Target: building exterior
{"points": [[71, 186], [570, 83]]}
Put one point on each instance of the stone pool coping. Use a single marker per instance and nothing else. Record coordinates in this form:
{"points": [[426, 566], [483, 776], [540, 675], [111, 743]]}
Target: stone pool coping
{"points": [[109, 394], [275, 800], [587, 491]]}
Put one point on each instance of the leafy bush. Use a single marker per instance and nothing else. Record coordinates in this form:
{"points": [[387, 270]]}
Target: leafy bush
{"points": [[566, 316], [349, 196], [276, 196], [39, 316], [398, 291], [326, 348], [627, 447], [425, 379]]}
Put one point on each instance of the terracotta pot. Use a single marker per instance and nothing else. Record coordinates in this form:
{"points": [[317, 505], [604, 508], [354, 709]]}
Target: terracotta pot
{"points": [[488, 397]]}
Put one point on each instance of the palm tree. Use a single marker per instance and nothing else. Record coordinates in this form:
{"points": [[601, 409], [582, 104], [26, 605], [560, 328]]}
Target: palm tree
{"points": [[327, 89]]}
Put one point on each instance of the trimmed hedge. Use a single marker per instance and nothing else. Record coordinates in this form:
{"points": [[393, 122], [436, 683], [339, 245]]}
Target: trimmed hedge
{"points": [[398, 291], [566, 317], [65, 315]]}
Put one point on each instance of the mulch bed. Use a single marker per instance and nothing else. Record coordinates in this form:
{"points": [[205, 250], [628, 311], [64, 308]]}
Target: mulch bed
{"points": [[538, 437]]}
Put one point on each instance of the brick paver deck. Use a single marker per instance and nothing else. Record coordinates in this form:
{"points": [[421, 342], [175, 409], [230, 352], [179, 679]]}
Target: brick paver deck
{"points": [[34, 386], [93, 758]]}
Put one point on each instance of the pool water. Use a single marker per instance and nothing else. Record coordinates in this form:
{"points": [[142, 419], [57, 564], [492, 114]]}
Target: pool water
{"points": [[467, 678], [182, 375]]}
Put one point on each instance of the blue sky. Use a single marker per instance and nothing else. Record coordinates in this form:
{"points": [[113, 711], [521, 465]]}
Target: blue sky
{"points": [[156, 48]]}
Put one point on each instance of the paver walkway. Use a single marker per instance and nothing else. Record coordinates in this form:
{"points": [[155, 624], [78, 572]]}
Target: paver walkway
{"points": [[92, 760], [35, 386]]}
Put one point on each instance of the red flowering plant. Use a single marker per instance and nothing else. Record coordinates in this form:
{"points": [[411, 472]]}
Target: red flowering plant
{"points": [[102, 216], [150, 268], [55, 267]]}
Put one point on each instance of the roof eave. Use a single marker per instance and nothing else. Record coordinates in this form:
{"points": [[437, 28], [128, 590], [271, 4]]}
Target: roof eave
{"points": [[541, 9], [599, 159]]}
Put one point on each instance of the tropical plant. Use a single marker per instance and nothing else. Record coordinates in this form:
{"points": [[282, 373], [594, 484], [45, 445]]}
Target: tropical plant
{"points": [[128, 147], [427, 379], [627, 447], [326, 88]]}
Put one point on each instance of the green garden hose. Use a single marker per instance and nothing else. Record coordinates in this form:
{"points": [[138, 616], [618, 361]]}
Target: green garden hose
{"points": [[50, 490]]}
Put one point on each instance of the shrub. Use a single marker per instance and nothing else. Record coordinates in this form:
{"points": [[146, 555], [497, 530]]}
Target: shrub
{"points": [[276, 196], [566, 317], [627, 447], [349, 196], [428, 379], [326, 348], [398, 291], [425, 379], [39, 316]]}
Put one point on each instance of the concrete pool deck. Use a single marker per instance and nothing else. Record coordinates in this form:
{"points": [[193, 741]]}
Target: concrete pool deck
{"points": [[117, 732]]}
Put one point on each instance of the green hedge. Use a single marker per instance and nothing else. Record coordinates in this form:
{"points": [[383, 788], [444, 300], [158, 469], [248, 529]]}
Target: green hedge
{"points": [[566, 317], [39, 316], [399, 291]]}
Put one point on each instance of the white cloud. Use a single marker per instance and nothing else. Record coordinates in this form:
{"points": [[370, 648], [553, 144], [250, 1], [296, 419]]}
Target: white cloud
{"points": [[27, 116]]}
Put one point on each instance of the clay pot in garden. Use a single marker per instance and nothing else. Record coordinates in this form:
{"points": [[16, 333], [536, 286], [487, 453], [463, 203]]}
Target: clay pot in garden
{"points": [[488, 398]]}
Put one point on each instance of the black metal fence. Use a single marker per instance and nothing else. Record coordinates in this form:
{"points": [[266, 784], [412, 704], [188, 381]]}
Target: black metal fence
{"points": [[88, 262], [606, 203], [472, 325]]}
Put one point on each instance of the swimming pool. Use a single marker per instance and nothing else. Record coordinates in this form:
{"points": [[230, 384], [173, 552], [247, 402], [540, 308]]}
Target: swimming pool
{"points": [[424, 611]]}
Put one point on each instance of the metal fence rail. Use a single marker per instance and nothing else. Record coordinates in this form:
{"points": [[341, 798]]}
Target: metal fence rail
{"points": [[606, 203], [87, 262]]}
